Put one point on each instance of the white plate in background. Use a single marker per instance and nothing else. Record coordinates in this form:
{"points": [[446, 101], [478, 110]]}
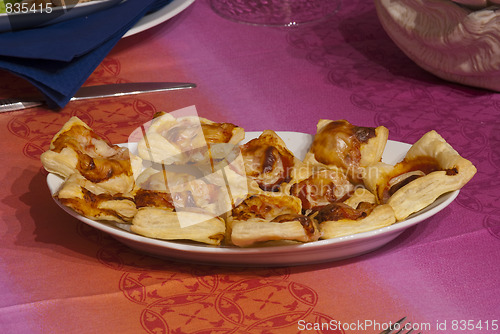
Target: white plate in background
{"points": [[164, 14]]}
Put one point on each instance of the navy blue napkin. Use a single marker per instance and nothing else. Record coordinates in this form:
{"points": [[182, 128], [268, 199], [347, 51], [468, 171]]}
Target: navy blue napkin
{"points": [[57, 59]]}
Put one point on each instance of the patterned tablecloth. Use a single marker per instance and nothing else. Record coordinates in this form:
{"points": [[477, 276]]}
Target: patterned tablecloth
{"points": [[59, 275]]}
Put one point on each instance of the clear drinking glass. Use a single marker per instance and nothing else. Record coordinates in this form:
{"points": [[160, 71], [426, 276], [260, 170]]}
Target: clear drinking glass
{"points": [[279, 13]]}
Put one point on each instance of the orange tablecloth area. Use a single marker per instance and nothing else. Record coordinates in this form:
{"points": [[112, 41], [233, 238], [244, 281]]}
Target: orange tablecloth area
{"points": [[59, 275]]}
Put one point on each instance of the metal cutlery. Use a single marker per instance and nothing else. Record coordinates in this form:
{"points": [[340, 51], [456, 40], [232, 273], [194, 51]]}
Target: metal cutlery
{"points": [[100, 91]]}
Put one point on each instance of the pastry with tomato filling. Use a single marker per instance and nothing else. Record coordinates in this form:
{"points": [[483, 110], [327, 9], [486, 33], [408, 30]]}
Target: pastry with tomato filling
{"points": [[350, 147], [92, 201], [175, 206], [430, 168], [268, 162], [321, 188], [267, 218], [359, 213], [76, 148], [182, 191], [188, 140]]}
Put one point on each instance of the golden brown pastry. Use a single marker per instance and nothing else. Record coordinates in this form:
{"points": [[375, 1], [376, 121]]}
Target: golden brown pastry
{"points": [[269, 217], [359, 213], [343, 145], [161, 223], [268, 162], [174, 206], [322, 187], [430, 168], [94, 202], [76, 148], [188, 140], [181, 191], [207, 188]]}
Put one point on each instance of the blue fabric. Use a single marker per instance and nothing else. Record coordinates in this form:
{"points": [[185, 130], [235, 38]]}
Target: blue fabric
{"points": [[58, 59]]}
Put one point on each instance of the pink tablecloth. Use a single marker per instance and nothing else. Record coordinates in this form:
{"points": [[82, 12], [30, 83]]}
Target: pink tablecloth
{"points": [[59, 275]]}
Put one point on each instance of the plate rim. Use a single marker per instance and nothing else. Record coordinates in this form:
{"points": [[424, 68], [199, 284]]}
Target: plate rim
{"points": [[192, 248], [162, 15]]}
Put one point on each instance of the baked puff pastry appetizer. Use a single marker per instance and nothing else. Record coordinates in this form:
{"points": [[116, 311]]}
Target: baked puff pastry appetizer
{"points": [[94, 202], [188, 140], [197, 183], [161, 223], [76, 148], [174, 206], [321, 187], [343, 145], [359, 213], [268, 162], [269, 217], [181, 191], [430, 168]]}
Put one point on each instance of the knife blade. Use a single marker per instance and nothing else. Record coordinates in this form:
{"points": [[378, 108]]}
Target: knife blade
{"points": [[99, 91]]}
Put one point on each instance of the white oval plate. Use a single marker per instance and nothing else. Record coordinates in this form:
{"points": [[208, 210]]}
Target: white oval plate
{"points": [[164, 14], [58, 14], [290, 255]]}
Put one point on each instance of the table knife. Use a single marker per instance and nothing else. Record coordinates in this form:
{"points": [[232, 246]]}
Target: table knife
{"points": [[100, 91]]}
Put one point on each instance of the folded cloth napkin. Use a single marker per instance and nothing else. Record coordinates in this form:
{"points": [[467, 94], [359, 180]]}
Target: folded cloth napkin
{"points": [[58, 58]]}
